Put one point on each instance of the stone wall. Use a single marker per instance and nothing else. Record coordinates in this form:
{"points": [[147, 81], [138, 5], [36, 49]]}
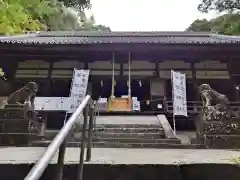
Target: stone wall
{"points": [[130, 172], [218, 134]]}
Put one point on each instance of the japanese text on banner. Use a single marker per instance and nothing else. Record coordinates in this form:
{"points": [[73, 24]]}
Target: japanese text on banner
{"points": [[179, 93], [79, 88]]}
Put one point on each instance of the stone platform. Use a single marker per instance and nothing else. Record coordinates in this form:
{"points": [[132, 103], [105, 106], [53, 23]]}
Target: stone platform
{"points": [[127, 164], [29, 155], [219, 134]]}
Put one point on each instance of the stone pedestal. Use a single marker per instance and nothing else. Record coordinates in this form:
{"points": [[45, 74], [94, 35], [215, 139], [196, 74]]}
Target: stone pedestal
{"points": [[218, 134], [16, 128]]}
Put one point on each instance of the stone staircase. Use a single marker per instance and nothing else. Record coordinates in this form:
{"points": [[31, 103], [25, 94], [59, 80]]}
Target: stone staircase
{"points": [[125, 132], [132, 135]]}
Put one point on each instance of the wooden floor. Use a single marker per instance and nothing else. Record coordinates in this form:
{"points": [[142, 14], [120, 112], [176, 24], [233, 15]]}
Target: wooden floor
{"points": [[28, 155]]}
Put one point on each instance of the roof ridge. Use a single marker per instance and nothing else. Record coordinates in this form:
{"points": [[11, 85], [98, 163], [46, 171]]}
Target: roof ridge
{"points": [[18, 36], [104, 38], [222, 36], [123, 33]]}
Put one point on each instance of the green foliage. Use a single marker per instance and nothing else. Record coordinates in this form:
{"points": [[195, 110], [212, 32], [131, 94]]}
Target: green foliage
{"points": [[20, 16], [77, 4], [200, 25], [15, 19], [219, 5], [228, 24], [62, 19]]}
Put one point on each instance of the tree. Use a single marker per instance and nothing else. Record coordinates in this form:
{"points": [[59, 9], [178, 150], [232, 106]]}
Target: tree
{"points": [[219, 5], [89, 24], [15, 19], [228, 24], [20, 16], [200, 25], [78, 4]]}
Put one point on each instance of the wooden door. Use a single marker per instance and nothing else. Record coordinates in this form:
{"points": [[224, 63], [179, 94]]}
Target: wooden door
{"points": [[158, 88]]}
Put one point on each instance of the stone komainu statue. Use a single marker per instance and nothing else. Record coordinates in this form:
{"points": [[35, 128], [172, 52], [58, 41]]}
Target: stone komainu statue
{"points": [[25, 95], [210, 97], [215, 104]]}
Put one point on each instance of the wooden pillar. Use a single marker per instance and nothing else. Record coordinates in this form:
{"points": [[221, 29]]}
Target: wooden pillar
{"points": [[234, 73], [194, 80], [121, 69], [157, 74], [49, 80]]}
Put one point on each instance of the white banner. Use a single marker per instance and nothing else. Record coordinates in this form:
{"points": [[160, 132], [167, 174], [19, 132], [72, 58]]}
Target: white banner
{"points": [[179, 93], [78, 88]]}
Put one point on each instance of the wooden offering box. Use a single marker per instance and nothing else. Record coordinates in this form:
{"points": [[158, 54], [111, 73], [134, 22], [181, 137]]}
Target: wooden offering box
{"points": [[123, 104]]}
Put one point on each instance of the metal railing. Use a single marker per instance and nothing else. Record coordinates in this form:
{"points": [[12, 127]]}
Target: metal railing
{"points": [[59, 142]]}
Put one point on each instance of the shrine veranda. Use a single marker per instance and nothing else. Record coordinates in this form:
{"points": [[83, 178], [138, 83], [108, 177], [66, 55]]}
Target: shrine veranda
{"points": [[49, 58]]}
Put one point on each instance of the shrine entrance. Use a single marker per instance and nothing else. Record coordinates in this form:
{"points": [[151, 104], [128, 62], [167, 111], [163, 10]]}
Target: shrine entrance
{"points": [[121, 87], [101, 88], [139, 88]]}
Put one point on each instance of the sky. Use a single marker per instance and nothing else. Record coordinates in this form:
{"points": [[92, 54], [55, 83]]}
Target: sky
{"points": [[155, 15]]}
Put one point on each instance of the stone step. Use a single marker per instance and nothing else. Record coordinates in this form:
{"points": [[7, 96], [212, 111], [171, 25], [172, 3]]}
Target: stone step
{"points": [[49, 135], [159, 134], [125, 145], [128, 126], [137, 140], [136, 130]]}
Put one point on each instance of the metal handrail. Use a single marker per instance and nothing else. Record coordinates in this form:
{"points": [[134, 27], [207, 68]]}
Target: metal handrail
{"points": [[39, 168]]}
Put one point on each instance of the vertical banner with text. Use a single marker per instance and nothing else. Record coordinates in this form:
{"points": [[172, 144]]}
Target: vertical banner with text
{"points": [[179, 93], [78, 88]]}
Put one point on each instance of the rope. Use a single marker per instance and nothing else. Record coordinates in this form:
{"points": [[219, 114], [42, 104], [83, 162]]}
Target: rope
{"points": [[129, 74], [113, 73]]}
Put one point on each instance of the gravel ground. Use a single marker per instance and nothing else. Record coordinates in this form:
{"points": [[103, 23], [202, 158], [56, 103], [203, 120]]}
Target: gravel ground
{"points": [[123, 156]]}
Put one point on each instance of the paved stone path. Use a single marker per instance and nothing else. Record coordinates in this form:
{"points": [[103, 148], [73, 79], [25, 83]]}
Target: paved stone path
{"points": [[123, 156]]}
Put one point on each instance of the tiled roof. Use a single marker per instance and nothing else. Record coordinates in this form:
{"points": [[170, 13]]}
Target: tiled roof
{"points": [[65, 37]]}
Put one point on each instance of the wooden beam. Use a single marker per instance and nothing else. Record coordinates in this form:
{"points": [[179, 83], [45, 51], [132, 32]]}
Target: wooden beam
{"points": [[194, 79], [70, 56], [133, 47], [157, 69]]}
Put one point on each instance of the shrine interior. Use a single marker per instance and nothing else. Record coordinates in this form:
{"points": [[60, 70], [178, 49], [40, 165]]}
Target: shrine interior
{"points": [[57, 82]]}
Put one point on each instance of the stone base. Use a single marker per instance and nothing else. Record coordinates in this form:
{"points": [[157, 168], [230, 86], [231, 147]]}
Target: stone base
{"points": [[218, 134], [222, 141], [14, 127], [14, 140]]}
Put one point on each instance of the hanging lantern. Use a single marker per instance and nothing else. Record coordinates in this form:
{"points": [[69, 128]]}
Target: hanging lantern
{"points": [[237, 87], [147, 102], [101, 83], [140, 83]]}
